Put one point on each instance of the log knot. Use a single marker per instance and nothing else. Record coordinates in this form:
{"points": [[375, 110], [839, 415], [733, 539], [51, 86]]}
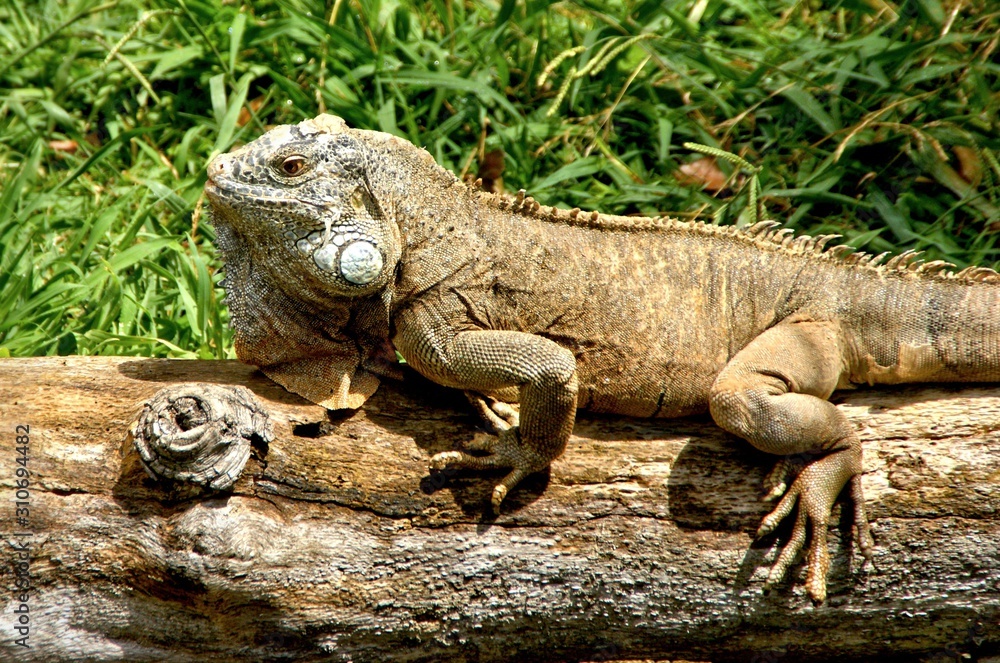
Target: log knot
{"points": [[199, 433]]}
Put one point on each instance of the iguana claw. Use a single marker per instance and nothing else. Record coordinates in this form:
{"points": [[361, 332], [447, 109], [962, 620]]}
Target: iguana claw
{"points": [[776, 481], [444, 459]]}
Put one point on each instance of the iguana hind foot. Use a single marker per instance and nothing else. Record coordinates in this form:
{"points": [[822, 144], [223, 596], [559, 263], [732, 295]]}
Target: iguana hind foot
{"points": [[814, 491]]}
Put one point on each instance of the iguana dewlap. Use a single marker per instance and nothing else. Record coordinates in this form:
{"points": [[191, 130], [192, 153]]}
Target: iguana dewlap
{"points": [[337, 241]]}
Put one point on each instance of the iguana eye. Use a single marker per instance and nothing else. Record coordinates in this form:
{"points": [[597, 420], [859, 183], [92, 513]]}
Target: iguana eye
{"points": [[293, 165]]}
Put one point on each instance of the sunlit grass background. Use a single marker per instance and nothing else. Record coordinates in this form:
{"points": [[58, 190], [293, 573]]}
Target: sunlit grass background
{"points": [[873, 119]]}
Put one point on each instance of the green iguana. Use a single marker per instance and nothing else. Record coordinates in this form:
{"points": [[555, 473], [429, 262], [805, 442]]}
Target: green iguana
{"points": [[341, 244]]}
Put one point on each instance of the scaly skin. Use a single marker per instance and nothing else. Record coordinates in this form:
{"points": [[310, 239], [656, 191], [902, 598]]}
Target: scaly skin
{"points": [[555, 309]]}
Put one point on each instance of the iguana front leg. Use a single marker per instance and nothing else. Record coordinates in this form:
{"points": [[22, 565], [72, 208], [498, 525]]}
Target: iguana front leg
{"points": [[773, 393], [489, 360]]}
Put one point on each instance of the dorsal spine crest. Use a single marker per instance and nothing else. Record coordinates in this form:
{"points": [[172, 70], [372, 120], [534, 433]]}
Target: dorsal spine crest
{"points": [[767, 235]]}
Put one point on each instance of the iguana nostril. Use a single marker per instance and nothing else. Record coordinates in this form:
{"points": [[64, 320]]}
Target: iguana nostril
{"points": [[217, 167]]}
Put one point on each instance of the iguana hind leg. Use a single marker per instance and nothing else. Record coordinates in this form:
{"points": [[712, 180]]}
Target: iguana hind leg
{"points": [[773, 393]]}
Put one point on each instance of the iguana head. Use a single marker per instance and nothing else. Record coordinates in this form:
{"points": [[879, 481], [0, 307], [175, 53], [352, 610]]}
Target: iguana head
{"points": [[302, 193], [310, 256]]}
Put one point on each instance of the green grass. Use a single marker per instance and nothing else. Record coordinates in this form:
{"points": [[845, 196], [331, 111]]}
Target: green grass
{"points": [[856, 114]]}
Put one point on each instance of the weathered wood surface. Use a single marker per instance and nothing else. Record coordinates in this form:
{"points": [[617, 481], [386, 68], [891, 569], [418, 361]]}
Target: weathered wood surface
{"points": [[338, 545]]}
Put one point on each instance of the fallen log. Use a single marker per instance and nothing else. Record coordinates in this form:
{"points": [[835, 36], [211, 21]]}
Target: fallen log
{"points": [[336, 544]]}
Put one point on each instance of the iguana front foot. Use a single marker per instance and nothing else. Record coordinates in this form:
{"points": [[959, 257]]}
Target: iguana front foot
{"points": [[814, 491], [502, 452]]}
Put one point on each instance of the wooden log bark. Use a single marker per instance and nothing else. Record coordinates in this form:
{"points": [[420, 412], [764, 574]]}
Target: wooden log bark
{"points": [[336, 544]]}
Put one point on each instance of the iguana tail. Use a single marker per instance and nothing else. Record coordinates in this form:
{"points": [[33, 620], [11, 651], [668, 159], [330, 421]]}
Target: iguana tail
{"points": [[909, 328]]}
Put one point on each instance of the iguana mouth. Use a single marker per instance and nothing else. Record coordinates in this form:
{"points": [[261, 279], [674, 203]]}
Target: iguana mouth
{"points": [[219, 192], [212, 189]]}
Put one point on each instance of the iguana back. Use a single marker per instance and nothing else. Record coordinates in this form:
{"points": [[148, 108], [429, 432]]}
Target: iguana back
{"points": [[653, 309]]}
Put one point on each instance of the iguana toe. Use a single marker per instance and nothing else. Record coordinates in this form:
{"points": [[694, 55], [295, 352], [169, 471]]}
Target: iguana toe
{"points": [[788, 553], [780, 512], [818, 565], [776, 481], [866, 543], [775, 492], [505, 486], [466, 461], [506, 412], [442, 460], [499, 492], [497, 415]]}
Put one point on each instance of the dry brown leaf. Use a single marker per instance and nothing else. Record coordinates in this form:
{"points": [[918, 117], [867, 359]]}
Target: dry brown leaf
{"points": [[703, 172], [68, 146], [244, 115], [491, 171], [970, 167]]}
